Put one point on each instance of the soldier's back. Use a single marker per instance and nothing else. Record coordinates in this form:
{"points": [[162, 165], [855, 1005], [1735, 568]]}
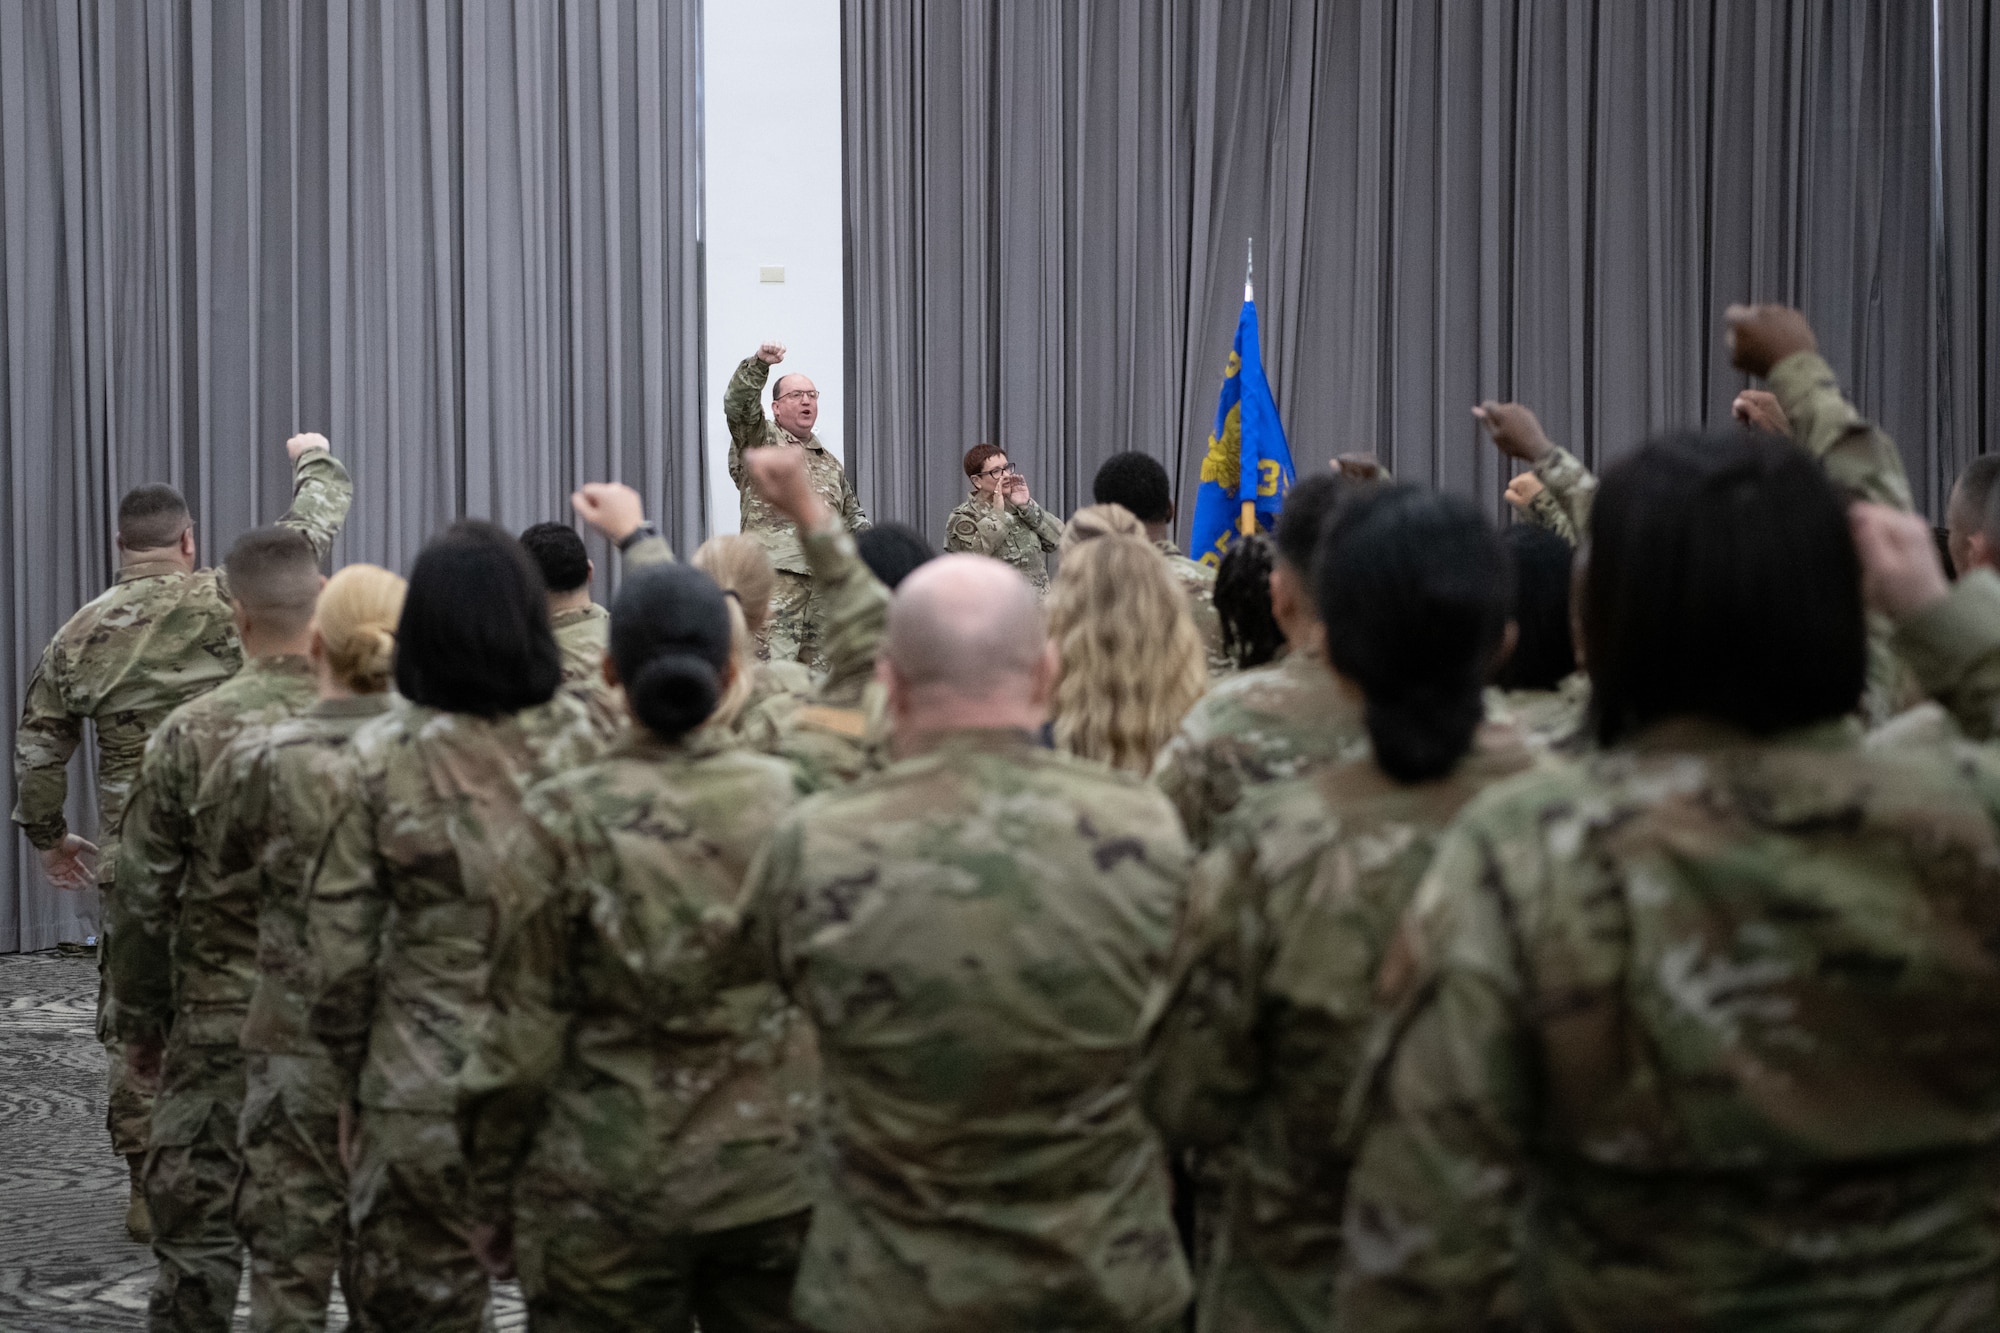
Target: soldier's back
{"points": [[973, 933], [156, 639], [1268, 725], [1759, 1004]]}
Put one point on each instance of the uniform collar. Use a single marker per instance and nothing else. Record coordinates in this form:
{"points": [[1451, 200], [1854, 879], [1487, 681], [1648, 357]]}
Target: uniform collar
{"points": [[638, 742], [280, 664], [576, 615], [148, 569], [809, 442], [1166, 546], [1703, 734], [992, 740], [356, 705]]}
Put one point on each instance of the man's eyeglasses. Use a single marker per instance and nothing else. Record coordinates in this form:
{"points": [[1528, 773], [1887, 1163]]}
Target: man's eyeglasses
{"points": [[810, 395], [995, 473]]}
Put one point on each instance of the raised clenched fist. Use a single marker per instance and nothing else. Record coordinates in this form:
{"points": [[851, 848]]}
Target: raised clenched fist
{"points": [[1515, 429], [771, 353], [1760, 336]]}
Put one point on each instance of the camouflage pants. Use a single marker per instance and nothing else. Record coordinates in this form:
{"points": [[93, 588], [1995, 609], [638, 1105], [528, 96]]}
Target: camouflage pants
{"points": [[792, 631], [589, 1272], [190, 1182], [291, 1207], [127, 1110], [410, 1209]]}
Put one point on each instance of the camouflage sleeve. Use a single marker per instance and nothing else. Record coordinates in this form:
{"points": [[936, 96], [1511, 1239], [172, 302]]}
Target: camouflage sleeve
{"points": [[1048, 529], [1544, 512], [1180, 773], [48, 736], [1200, 1069], [649, 551], [973, 532], [1433, 1198], [152, 864], [757, 952], [347, 907], [519, 1048], [1953, 647], [321, 494], [1570, 487], [1862, 460], [743, 409], [851, 513], [857, 611]]}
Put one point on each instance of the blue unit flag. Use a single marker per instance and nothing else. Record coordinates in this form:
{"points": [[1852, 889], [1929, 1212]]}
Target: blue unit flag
{"points": [[1249, 466]]}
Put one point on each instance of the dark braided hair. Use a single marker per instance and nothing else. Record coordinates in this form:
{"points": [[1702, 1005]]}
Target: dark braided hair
{"points": [[1250, 634]]}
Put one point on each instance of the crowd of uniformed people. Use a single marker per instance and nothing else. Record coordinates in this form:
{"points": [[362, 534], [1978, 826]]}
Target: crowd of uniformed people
{"points": [[1591, 922]]}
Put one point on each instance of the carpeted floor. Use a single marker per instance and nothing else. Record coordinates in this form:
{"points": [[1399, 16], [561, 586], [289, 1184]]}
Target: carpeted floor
{"points": [[65, 1264]]}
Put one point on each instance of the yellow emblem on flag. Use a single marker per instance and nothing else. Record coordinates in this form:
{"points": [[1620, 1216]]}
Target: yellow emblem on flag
{"points": [[1224, 463]]}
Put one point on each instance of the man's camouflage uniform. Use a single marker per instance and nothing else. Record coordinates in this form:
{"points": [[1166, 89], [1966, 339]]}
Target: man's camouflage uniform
{"points": [[840, 732], [1017, 535], [1703, 1031], [1198, 582], [1553, 721], [635, 1105], [283, 786], [157, 638], [792, 633], [583, 633], [1270, 999], [1860, 459], [183, 946], [973, 933], [1266, 725], [399, 914]]}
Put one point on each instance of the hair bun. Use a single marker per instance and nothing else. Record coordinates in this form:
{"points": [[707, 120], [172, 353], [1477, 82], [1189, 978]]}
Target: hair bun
{"points": [[674, 693]]}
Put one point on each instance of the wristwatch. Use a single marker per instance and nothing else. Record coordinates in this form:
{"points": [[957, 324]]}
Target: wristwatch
{"points": [[645, 529]]}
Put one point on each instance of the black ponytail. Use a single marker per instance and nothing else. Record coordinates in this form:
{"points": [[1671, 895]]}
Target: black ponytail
{"points": [[670, 643], [1415, 590]]}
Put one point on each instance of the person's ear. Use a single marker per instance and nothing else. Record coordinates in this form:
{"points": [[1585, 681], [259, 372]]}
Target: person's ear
{"points": [[239, 615], [1284, 595], [892, 685], [610, 672], [589, 572], [1978, 553], [1173, 511], [187, 541], [1510, 639]]}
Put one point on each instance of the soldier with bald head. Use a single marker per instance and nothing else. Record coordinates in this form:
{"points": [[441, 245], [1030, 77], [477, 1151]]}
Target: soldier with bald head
{"points": [[972, 933], [794, 628]]}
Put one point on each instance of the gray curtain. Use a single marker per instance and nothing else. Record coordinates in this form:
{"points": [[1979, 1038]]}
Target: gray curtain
{"points": [[1543, 199], [457, 236]]}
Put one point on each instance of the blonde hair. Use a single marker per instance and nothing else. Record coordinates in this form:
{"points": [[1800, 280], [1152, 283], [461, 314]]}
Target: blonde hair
{"points": [[1131, 661], [1093, 521], [740, 567], [356, 621]]}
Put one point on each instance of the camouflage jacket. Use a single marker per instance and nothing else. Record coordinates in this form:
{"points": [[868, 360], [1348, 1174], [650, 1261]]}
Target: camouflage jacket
{"points": [[841, 732], [1568, 491], [973, 933], [619, 1063], [183, 928], [1271, 995], [1554, 721], [1017, 535], [1198, 582], [1701, 1032], [750, 428], [583, 633], [1953, 648], [399, 913], [1866, 464], [157, 638], [1266, 725], [281, 789]]}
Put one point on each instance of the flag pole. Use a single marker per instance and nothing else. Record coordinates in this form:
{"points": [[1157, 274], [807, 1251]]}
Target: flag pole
{"points": [[1246, 521]]}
